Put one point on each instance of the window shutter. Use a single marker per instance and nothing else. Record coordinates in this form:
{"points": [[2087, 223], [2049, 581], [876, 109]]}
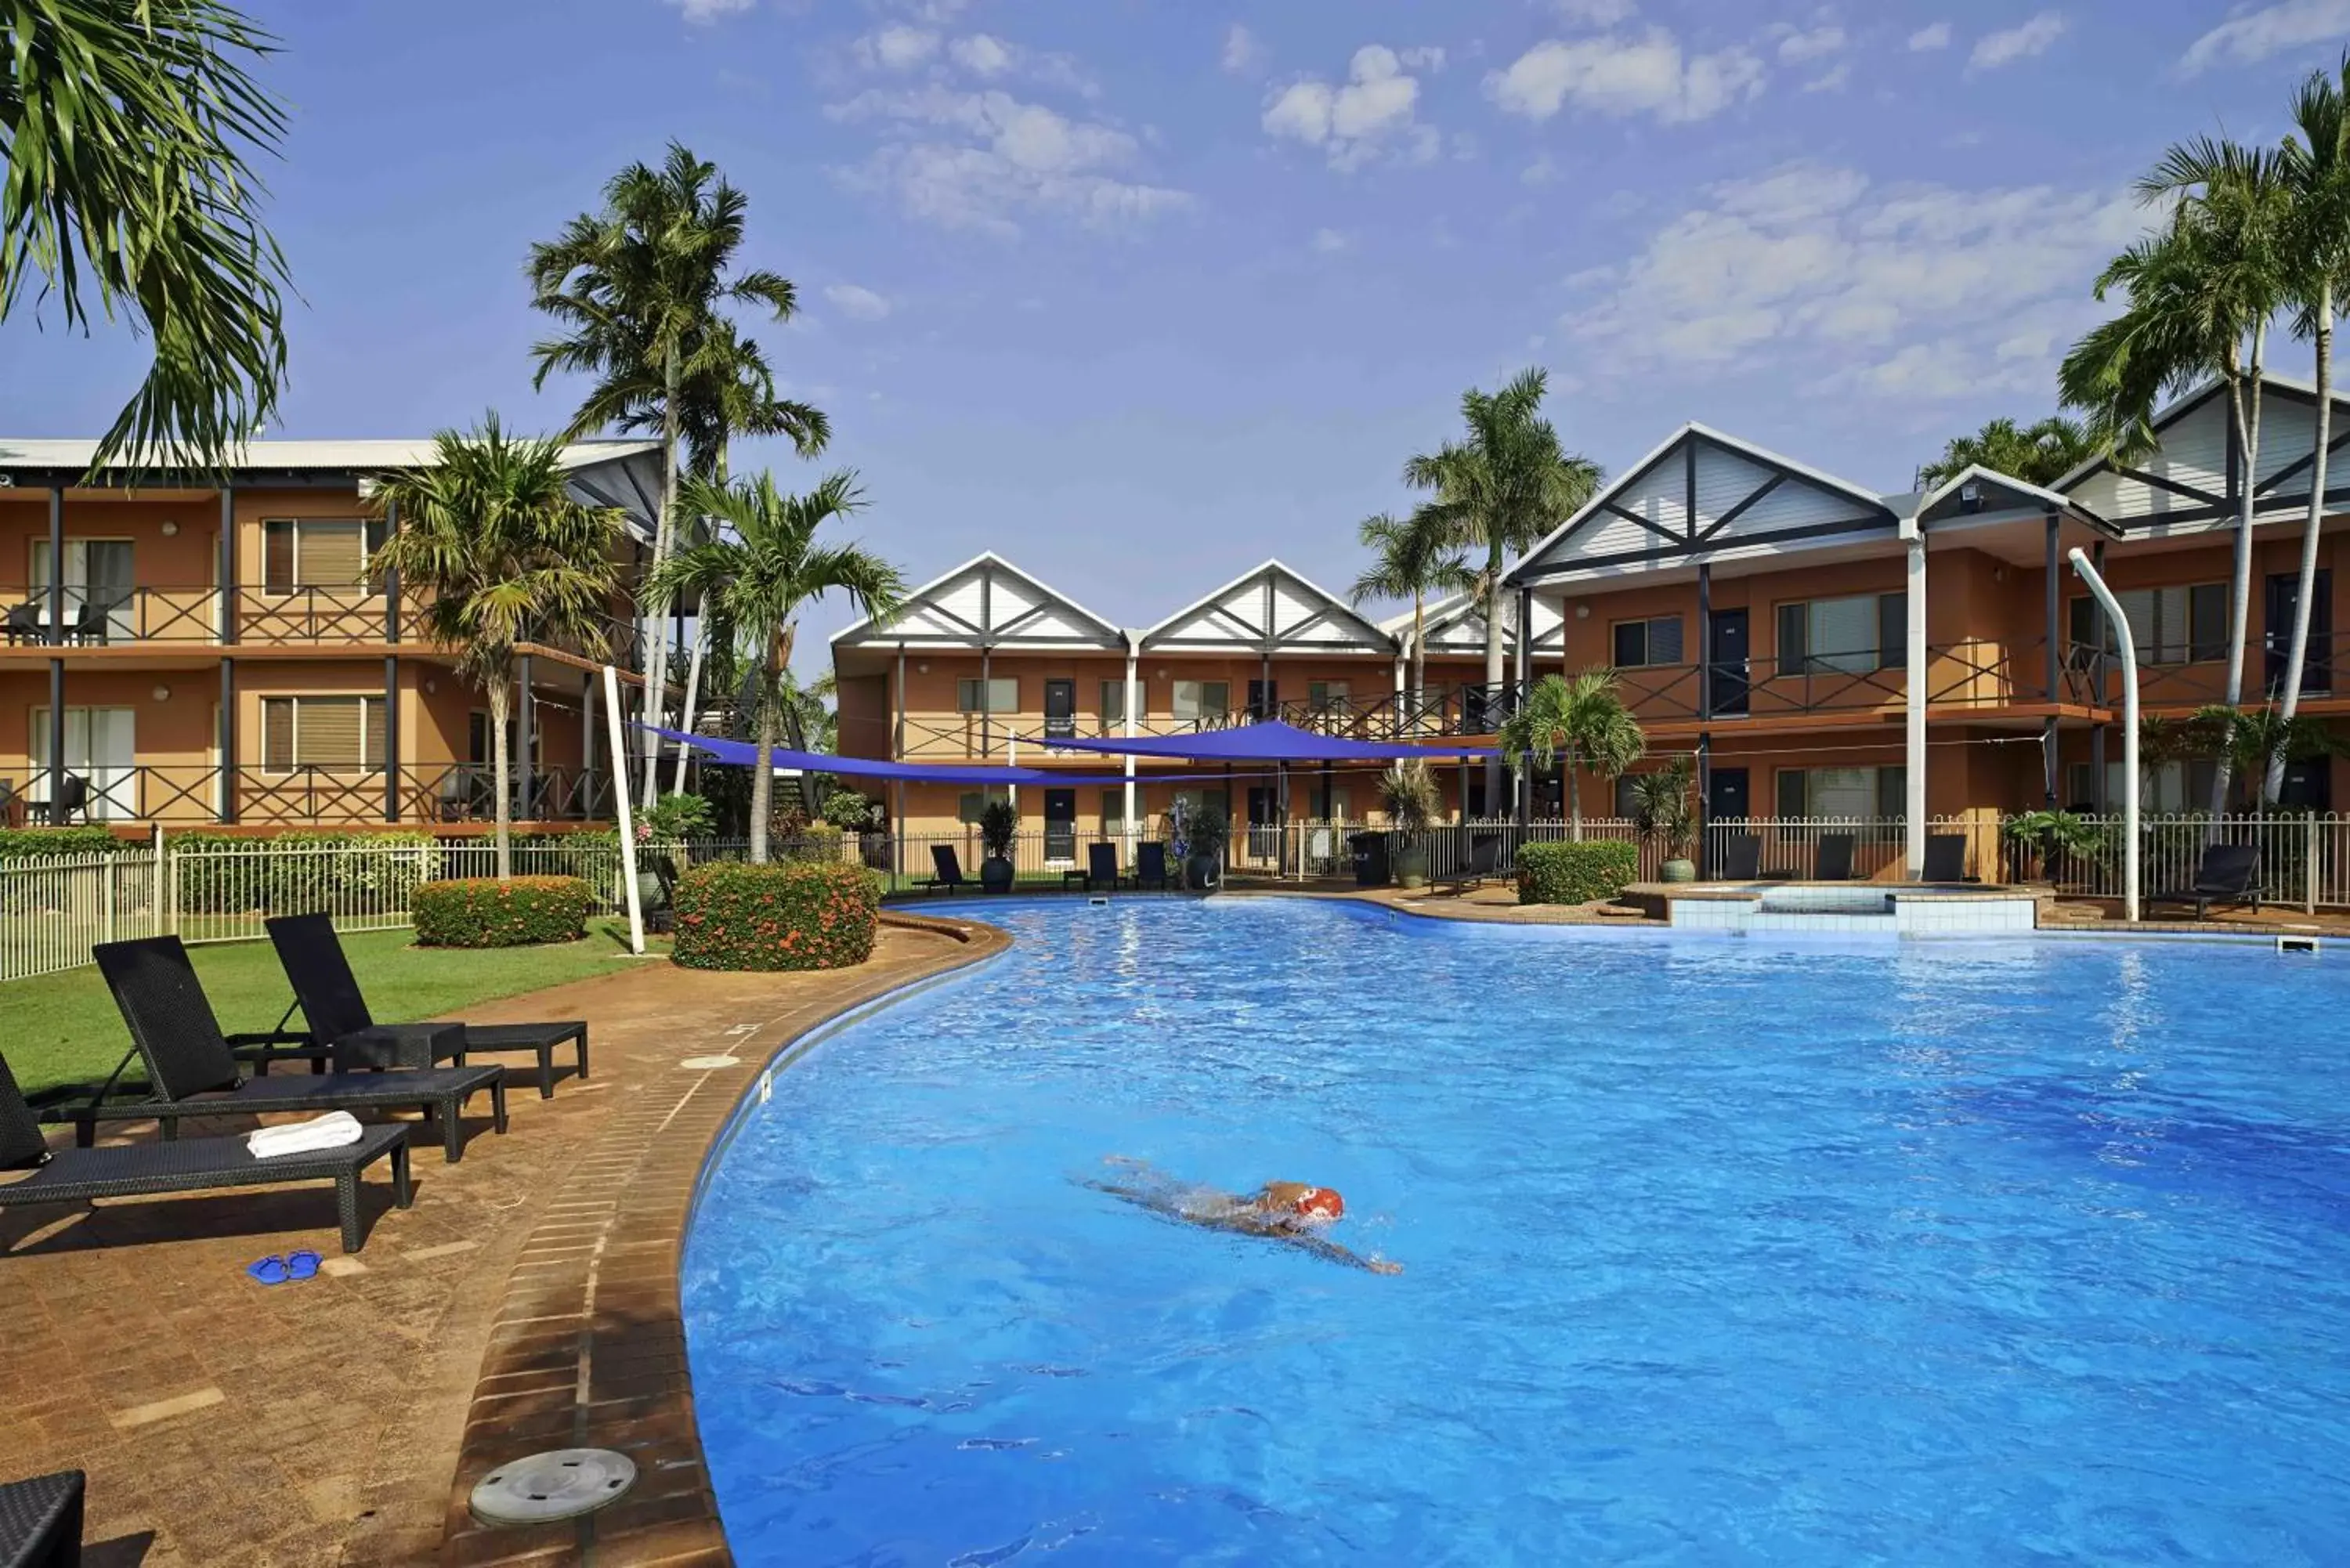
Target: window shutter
{"points": [[2206, 622], [277, 557], [1665, 639], [1893, 631], [278, 734], [967, 696], [330, 732], [1790, 780], [373, 758], [331, 556], [2138, 608], [1792, 645], [1113, 699], [2082, 616], [1843, 635]]}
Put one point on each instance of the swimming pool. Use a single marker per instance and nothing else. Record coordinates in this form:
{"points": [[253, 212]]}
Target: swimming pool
{"points": [[1716, 1252]]}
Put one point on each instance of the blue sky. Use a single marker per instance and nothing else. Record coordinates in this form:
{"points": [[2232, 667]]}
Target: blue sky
{"points": [[1140, 292]]}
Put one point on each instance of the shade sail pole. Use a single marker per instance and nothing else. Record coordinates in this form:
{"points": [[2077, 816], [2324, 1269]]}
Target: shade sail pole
{"points": [[628, 823]]}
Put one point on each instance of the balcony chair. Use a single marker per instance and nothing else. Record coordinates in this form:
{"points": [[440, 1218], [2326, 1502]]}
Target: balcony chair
{"points": [[25, 623], [192, 1072], [2228, 874], [328, 994], [72, 797]]}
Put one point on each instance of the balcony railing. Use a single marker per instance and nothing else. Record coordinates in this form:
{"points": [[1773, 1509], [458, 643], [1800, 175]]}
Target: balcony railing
{"points": [[318, 796]]}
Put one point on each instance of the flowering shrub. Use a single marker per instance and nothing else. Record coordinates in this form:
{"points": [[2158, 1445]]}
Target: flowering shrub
{"points": [[797, 915], [482, 912]]}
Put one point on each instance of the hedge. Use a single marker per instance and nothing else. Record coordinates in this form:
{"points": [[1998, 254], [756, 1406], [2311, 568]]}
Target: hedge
{"points": [[234, 872], [40, 843], [793, 915], [482, 912], [1576, 873]]}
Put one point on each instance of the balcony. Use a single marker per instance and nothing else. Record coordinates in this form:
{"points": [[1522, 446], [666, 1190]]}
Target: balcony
{"points": [[452, 793]]}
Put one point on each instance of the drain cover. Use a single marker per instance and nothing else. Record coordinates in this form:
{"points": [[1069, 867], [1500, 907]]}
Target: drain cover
{"points": [[561, 1484], [709, 1064]]}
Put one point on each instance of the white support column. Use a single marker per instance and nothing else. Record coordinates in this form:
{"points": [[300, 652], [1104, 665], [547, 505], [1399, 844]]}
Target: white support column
{"points": [[692, 692], [1913, 749], [628, 827]]}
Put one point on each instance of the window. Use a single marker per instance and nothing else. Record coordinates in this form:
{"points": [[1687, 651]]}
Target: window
{"points": [[2169, 626], [1113, 701], [1846, 636], [1001, 695], [2163, 787], [1326, 696], [1202, 699], [1843, 791], [1627, 805], [316, 553], [974, 801], [477, 738], [340, 733], [1113, 811], [1656, 642]]}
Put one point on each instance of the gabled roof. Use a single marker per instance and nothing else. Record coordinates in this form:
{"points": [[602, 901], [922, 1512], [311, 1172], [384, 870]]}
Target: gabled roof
{"points": [[2191, 479], [1269, 608], [1702, 492], [1454, 624], [987, 602], [1997, 495]]}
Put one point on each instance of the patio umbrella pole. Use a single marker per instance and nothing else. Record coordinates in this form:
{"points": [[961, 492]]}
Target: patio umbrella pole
{"points": [[627, 824]]}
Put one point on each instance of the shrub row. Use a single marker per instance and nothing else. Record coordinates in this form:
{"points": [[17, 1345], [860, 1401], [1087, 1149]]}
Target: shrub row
{"points": [[227, 871], [1576, 873], [482, 912], [40, 843], [794, 915]]}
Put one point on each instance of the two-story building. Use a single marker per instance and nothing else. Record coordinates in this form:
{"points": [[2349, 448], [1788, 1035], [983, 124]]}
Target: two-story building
{"points": [[212, 652]]}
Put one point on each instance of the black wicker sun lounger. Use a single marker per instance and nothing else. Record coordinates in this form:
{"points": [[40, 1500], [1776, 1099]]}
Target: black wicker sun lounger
{"points": [[183, 1164], [950, 871], [1946, 857], [1151, 867], [2228, 873], [1101, 874], [40, 1521], [173, 1030], [337, 1012]]}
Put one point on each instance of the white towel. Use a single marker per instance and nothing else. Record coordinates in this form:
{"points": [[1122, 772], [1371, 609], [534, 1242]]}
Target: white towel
{"points": [[333, 1130]]}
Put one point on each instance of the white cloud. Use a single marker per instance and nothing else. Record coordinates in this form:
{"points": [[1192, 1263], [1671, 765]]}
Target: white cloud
{"points": [[982, 53], [1367, 116], [1595, 13], [1245, 52], [1832, 79], [1993, 50], [898, 47], [979, 160], [1818, 276], [1934, 35], [701, 12], [1329, 241], [2273, 29], [1426, 57], [857, 303], [1621, 76], [1797, 46]]}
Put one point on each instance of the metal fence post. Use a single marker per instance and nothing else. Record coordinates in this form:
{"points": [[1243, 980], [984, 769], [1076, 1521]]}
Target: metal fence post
{"points": [[2309, 863], [155, 917]]}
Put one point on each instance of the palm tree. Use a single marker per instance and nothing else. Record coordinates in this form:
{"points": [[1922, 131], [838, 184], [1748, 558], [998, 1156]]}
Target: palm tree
{"points": [[1505, 485], [2255, 741], [640, 288], [128, 125], [2038, 454], [754, 576], [1411, 558], [2317, 174], [1584, 722], [491, 529], [2199, 288]]}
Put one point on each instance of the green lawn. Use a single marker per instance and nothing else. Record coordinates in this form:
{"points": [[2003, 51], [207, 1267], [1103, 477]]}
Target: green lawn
{"points": [[63, 1028]]}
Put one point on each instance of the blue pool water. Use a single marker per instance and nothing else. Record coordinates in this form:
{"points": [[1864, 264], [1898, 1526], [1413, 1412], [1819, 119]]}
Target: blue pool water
{"points": [[1716, 1252]]}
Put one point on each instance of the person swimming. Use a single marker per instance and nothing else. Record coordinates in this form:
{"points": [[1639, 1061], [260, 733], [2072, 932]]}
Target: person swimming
{"points": [[1292, 1211]]}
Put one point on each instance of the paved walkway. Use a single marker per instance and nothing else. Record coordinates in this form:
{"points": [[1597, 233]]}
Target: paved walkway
{"points": [[527, 1301]]}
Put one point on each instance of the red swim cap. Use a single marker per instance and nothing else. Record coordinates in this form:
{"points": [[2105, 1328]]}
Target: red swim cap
{"points": [[1322, 1200]]}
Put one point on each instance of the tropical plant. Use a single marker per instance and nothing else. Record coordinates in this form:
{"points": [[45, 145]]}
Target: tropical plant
{"points": [[682, 817], [490, 528], [1663, 808], [2201, 287], [851, 811], [727, 390], [1411, 558], [762, 567], [999, 828], [641, 289], [2256, 743], [128, 125], [1409, 796], [1505, 485], [2040, 453], [1585, 722], [2054, 836]]}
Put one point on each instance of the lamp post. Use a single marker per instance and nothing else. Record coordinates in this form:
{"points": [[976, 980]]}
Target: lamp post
{"points": [[2120, 623]]}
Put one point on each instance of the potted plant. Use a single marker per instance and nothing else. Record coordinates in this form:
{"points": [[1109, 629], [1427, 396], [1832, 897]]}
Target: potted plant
{"points": [[999, 825], [1407, 795], [1661, 811], [1205, 828], [2056, 839]]}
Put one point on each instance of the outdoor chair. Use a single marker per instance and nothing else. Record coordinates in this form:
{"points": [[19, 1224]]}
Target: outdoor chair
{"points": [[1739, 858], [1834, 861], [2228, 874], [1101, 868], [663, 916], [335, 1008], [1946, 857], [1484, 863], [192, 1071], [25, 623], [182, 1164], [1150, 867], [72, 796], [40, 1521], [950, 871]]}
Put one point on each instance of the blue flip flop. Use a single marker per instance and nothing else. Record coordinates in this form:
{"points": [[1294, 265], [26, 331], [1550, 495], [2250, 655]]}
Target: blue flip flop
{"points": [[269, 1270], [302, 1265]]}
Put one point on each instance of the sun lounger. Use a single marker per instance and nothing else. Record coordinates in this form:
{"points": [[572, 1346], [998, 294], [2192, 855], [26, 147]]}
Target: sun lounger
{"points": [[40, 1521], [174, 1031], [183, 1164], [1739, 858], [337, 1012], [1150, 867], [1835, 863], [1484, 863], [2228, 874], [1946, 857], [950, 871], [1101, 869]]}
